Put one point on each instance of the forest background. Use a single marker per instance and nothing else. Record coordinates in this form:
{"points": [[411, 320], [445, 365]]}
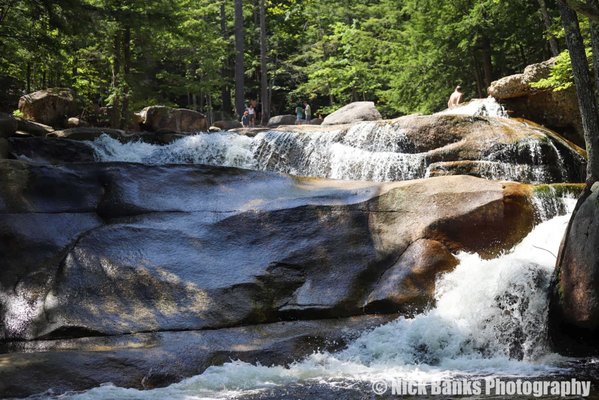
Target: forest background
{"points": [[213, 56]]}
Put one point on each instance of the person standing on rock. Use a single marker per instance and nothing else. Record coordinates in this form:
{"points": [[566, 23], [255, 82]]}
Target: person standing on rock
{"points": [[245, 119], [307, 112], [252, 113], [455, 98], [299, 114]]}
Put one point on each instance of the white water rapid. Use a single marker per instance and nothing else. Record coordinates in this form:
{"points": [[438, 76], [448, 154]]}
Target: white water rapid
{"points": [[488, 107], [489, 320], [369, 151]]}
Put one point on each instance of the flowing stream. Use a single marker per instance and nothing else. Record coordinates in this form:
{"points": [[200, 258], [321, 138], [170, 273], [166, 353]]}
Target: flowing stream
{"points": [[372, 151], [489, 321]]}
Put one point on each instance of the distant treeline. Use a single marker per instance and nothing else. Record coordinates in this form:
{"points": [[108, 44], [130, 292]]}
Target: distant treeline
{"points": [[406, 55]]}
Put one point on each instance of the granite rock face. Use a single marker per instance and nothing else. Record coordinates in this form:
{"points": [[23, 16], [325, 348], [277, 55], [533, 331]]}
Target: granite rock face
{"points": [[115, 248]]}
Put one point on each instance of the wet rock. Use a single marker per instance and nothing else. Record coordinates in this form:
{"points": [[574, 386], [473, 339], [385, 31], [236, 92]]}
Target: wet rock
{"points": [[4, 148], [53, 151], [229, 124], [574, 306], [443, 144], [50, 106], [8, 125], [133, 248], [278, 120], [558, 110], [353, 112], [150, 360], [162, 118], [411, 280], [33, 128], [84, 133]]}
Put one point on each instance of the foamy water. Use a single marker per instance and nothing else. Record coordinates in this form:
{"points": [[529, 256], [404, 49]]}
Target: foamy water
{"points": [[489, 320], [367, 151], [487, 107]]}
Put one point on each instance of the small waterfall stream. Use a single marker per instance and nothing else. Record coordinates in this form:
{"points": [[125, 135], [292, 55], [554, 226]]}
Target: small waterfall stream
{"points": [[489, 321], [373, 151]]}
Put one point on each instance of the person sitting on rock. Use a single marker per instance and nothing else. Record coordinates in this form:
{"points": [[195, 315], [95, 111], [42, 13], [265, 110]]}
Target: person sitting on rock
{"points": [[455, 98]]}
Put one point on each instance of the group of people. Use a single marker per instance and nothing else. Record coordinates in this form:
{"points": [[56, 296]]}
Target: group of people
{"points": [[252, 113], [303, 113]]}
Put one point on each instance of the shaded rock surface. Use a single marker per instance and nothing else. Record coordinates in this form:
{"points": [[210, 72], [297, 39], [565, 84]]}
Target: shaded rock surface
{"points": [[353, 112], [120, 248], [574, 306], [150, 360], [162, 118], [229, 124], [50, 106], [54, 151], [278, 120], [8, 125], [557, 110], [33, 128]]}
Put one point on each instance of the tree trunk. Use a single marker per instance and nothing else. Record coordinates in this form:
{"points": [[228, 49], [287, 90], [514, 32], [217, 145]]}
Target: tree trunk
{"points": [[263, 66], [584, 91], [126, 78], [239, 65], [115, 117], [480, 85], [586, 8], [28, 77], [486, 60], [226, 90], [547, 22]]}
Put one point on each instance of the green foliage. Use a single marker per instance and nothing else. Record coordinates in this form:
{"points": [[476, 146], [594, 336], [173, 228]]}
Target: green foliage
{"points": [[406, 55], [560, 77]]}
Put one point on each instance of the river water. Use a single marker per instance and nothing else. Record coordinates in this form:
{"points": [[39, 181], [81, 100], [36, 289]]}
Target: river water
{"points": [[372, 151], [489, 322]]}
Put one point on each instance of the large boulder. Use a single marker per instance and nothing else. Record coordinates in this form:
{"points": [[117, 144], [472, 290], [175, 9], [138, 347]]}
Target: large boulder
{"points": [[228, 124], [50, 106], [519, 85], [353, 112], [279, 120], [8, 125], [431, 145], [574, 305], [557, 110], [150, 360], [83, 133], [115, 248], [33, 128], [162, 118], [53, 151]]}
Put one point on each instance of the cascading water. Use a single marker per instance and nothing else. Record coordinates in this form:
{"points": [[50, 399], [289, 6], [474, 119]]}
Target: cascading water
{"points": [[366, 151], [489, 321], [373, 151], [488, 107]]}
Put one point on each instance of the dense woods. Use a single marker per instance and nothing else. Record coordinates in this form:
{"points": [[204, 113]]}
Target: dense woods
{"points": [[213, 56]]}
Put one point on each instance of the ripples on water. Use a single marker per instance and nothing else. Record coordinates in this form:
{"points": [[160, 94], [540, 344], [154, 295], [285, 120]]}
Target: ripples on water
{"points": [[489, 320]]}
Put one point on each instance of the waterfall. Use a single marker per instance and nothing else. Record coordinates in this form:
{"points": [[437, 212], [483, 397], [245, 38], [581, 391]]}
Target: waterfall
{"points": [[489, 321], [488, 107], [373, 151]]}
